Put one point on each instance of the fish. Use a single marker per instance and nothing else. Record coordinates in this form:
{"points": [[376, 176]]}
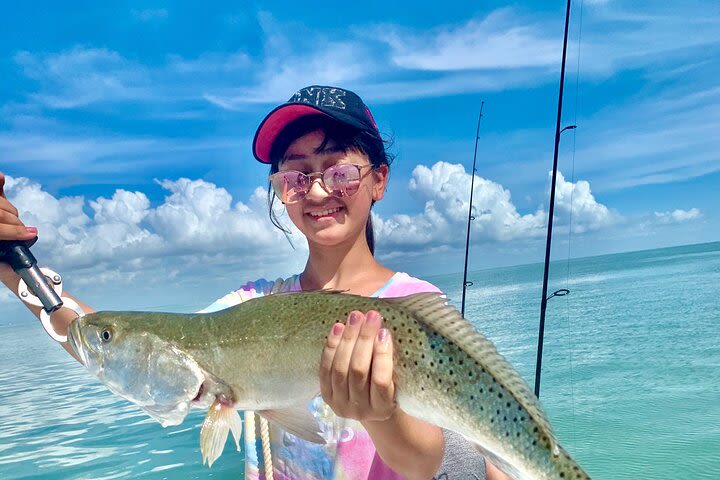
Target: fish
{"points": [[263, 355]]}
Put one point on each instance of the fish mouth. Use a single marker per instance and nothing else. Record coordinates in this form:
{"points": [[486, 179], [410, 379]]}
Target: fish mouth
{"points": [[199, 393], [73, 337]]}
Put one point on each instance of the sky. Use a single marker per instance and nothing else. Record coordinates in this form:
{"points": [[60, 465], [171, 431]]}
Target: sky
{"points": [[126, 132]]}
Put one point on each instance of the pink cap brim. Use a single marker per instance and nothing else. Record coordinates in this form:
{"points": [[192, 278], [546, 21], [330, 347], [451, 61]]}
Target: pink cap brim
{"points": [[274, 123]]}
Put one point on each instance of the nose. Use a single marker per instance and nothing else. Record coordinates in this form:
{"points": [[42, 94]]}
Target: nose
{"points": [[317, 189]]}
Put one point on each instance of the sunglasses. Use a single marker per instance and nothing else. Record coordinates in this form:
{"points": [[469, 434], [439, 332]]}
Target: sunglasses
{"points": [[341, 180]]}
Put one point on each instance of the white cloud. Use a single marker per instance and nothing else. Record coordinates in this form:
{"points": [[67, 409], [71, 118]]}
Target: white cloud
{"points": [[576, 200], [443, 190], [195, 219], [677, 216], [82, 76], [501, 40]]}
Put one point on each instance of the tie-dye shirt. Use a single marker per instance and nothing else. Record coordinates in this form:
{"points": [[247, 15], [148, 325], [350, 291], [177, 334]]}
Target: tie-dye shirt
{"points": [[349, 453]]}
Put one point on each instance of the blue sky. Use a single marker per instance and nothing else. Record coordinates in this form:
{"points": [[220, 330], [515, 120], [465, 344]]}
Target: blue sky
{"points": [[126, 130]]}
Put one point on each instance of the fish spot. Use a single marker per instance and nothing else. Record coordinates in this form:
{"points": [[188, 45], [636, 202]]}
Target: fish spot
{"points": [[472, 397], [432, 364], [399, 340], [508, 404], [500, 395], [507, 434], [450, 372], [562, 474], [460, 361]]}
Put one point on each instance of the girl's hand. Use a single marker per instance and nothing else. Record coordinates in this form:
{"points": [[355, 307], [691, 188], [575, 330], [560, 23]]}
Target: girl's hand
{"points": [[356, 369], [11, 228]]}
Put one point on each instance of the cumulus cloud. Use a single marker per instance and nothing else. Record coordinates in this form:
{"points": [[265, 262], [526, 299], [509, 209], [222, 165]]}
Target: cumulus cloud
{"points": [[677, 216], [443, 190], [196, 219], [575, 202]]}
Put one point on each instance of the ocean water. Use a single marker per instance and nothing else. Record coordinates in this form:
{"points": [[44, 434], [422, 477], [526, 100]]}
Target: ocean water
{"points": [[631, 376]]}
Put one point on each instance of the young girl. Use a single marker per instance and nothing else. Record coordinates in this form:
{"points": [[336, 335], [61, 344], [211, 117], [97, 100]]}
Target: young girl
{"points": [[328, 166]]}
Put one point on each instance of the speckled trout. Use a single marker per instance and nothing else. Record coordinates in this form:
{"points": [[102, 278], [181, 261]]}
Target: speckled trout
{"points": [[264, 355]]}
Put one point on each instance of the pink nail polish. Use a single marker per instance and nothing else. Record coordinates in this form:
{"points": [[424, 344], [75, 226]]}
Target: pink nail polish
{"points": [[383, 335], [33, 230], [337, 329], [354, 318]]}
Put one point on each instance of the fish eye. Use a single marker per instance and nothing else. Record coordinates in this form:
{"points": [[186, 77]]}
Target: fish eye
{"points": [[106, 335]]}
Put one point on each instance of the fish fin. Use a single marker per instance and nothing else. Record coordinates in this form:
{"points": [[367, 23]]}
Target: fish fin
{"points": [[296, 420], [434, 311], [219, 422]]}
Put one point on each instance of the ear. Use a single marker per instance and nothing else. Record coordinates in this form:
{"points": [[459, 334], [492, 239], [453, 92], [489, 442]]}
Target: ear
{"points": [[380, 175]]}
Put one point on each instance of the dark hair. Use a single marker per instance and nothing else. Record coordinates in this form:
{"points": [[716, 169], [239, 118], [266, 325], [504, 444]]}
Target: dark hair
{"points": [[346, 137]]}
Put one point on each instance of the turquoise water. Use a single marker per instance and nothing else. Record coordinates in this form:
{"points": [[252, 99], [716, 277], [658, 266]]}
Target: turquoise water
{"points": [[631, 377]]}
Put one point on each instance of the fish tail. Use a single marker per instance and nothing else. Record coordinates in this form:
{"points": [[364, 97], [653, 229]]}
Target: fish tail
{"points": [[219, 422]]}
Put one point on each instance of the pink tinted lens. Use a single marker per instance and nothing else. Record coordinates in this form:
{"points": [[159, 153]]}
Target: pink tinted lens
{"points": [[342, 180], [290, 186]]}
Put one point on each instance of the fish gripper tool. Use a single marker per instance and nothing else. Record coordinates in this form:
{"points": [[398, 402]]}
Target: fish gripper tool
{"points": [[40, 287]]}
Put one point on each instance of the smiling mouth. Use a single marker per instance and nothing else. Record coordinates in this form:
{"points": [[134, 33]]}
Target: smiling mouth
{"points": [[324, 213]]}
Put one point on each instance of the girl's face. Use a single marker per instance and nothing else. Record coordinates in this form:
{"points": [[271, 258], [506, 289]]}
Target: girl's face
{"points": [[324, 219]]}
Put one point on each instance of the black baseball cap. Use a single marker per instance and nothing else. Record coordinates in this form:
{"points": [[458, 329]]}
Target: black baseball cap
{"points": [[337, 103]]}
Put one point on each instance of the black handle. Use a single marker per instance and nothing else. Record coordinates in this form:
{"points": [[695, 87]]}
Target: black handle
{"points": [[17, 254]]}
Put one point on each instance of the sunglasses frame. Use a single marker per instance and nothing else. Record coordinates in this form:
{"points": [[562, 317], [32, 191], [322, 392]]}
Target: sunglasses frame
{"points": [[313, 176]]}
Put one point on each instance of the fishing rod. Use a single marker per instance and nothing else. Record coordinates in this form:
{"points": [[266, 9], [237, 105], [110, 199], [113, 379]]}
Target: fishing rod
{"points": [[558, 131], [471, 217]]}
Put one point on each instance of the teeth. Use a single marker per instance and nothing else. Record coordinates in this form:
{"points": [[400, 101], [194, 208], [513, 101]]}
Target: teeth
{"points": [[323, 213]]}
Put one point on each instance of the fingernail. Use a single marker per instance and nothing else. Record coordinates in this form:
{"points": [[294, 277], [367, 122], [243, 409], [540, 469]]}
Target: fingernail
{"points": [[383, 335], [373, 317], [31, 230], [337, 329], [354, 318]]}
